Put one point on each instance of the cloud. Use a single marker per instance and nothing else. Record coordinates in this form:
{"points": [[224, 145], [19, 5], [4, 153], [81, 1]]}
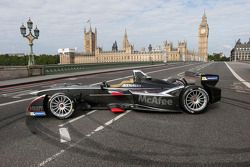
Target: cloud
{"points": [[61, 23]]}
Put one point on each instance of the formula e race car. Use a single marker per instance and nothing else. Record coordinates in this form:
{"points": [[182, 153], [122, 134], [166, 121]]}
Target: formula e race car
{"points": [[191, 93]]}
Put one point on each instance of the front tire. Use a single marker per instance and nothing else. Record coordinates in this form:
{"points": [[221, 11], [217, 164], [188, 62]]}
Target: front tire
{"points": [[194, 99], [61, 106]]}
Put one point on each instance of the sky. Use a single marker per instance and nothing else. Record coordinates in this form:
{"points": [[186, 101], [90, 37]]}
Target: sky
{"points": [[61, 23]]}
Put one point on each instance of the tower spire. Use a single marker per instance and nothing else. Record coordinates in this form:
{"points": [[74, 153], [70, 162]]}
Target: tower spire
{"points": [[125, 40], [89, 21], [125, 34]]}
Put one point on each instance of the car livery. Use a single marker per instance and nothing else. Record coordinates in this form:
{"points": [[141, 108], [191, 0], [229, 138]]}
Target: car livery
{"points": [[141, 92]]}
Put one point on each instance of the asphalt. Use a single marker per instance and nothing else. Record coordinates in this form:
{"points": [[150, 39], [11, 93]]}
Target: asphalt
{"points": [[218, 137]]}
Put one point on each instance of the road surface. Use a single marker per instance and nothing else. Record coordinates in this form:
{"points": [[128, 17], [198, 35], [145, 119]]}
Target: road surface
{"points": [[218, 137]]}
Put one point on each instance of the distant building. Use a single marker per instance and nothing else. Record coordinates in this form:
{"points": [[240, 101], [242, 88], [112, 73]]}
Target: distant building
{"points": [[69, 55], [94, 54], [241, 51], [180, 53]]}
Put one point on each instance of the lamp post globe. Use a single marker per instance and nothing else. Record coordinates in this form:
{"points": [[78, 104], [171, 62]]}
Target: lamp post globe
{"points": [[30, 24], [31, 37], [23, 30], [36, 32]]}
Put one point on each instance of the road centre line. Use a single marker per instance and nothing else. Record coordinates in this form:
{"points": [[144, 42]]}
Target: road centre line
{"points": [[75, 119], [16, 93], [54, 156], [20, 87], [237, 76], [13, 102]]}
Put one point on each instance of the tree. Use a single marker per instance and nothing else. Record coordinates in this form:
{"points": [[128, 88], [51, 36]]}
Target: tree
{"points": [[14, 60], [217, 57]]}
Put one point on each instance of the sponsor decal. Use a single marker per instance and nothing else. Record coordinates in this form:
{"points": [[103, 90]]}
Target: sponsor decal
{"points": [[155, 100], [36, 108], [204, 78], [37, 114], [209, 78], [131, 85], [212, 78]]}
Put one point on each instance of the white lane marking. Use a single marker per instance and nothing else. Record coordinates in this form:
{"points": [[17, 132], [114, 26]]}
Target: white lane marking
{"points": [[169, 68], [99, 128], [147, 73], [17, 88], [237, 76], [23, 94], [18, 101], [109, 122], [64, 135], [53, 157], [16, 93], [198, 68], [77, 118]]}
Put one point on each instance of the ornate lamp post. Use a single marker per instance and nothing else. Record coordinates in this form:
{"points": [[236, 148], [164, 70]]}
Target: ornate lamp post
{"points": [[30, 38]]}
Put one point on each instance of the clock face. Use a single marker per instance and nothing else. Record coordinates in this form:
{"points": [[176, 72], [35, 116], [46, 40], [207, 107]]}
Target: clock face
{"points": [[203, 30]]}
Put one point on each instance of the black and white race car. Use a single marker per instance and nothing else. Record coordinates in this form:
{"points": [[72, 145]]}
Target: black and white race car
{"points": [[192, 93]]}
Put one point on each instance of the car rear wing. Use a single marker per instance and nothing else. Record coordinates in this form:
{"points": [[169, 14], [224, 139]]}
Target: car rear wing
{"points": [[209, 79], [206, 79]]}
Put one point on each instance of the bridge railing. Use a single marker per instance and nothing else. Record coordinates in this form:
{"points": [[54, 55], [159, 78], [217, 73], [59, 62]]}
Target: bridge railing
{"points": [[64, 68]]}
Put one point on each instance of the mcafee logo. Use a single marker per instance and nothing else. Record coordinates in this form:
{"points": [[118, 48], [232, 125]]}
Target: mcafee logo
{"points": [[155, 100]]}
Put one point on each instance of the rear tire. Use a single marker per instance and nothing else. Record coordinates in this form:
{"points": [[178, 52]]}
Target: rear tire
{"points": [[61, 106], [194, 100]]}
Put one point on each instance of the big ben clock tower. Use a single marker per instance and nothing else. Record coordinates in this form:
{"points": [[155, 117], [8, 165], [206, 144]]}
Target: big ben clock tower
{"points": [[203, 39]]}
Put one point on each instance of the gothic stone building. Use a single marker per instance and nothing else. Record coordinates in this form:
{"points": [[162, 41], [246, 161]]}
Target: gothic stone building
{"points": [[241, 51], [94, 54]]}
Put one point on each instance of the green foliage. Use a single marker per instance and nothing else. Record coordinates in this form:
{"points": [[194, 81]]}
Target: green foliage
{"points": [[216, 57], [9, 60], [47, 59]]}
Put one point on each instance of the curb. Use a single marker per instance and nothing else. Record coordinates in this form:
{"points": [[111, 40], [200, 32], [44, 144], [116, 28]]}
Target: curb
{"points": [[78, 75]]}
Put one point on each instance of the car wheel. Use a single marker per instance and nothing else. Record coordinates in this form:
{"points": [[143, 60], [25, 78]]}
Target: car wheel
{"points": [[61, 105], [194, 100]]}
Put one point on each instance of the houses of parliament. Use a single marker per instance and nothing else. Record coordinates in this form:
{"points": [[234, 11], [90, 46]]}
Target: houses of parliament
{"points": [[95, 54]]}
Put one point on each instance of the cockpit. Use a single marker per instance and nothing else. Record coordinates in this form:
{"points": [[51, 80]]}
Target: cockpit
{"points": [[138, 76], [141, 80], [136, 79]]}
